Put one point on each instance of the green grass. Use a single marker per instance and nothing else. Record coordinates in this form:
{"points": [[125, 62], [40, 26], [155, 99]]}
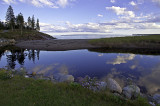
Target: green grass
{"points": [[150, 40], [20, 91], [26, 35]]}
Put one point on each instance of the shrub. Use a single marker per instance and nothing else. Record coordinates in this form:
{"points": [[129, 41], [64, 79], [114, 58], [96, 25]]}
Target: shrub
{"points": [[5, 75]]}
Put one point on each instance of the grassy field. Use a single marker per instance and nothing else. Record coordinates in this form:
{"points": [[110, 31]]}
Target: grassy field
{"points": [[26, 35], [149, 41], [20, 91]]}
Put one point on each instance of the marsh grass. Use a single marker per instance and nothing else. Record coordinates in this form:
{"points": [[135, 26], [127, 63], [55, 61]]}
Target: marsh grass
{"points": [[20, 91], [148, 41]]}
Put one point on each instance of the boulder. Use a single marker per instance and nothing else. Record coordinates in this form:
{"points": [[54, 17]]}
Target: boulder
{"points": [[63, 78], [131, 91], [113, 86], [156, 98], [102, 85]]}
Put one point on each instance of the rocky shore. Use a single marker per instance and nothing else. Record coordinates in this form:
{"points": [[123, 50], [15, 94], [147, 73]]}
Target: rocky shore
{"points": [[129, 92], [4, 42]]}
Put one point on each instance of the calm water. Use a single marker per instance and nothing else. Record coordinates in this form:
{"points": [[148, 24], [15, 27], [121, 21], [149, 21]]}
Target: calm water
{"points": [[144, 70], [88, 36]]}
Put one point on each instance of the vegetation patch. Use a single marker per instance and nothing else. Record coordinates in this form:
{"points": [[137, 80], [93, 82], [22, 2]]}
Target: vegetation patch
{"points": [[27, 35], [149, 41], [20, 91]]}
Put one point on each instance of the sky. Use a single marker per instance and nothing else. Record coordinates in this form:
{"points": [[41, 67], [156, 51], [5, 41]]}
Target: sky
{"points": [[90, 16]]}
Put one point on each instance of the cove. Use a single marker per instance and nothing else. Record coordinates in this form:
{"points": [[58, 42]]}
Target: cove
{"points": [[125, 68]]}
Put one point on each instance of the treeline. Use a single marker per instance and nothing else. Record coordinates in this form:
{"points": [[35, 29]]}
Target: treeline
{"points": [[12, 22]]}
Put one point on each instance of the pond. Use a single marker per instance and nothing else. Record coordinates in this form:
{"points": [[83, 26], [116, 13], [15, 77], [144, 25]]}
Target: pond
{"points": [[125, 68]]}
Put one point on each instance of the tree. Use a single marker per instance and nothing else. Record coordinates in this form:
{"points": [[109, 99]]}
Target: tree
{"points": [[29, 23], [33, 22], [37, 25], [1, 25], [10, 18], [20, 21]]}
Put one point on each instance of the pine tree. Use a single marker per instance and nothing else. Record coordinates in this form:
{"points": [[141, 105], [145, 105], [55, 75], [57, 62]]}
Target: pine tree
{"points": [[37, 25], [29, 23], [1, 25], [20, 21], [10, 18], [33, 22]]}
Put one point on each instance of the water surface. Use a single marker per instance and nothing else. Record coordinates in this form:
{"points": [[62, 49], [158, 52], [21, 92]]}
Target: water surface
{"points": [[144, 70]]}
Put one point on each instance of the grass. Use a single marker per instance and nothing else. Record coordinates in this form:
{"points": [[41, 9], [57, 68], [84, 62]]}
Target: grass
{"points": [[26, 35], [148, 41], [20, 91]]}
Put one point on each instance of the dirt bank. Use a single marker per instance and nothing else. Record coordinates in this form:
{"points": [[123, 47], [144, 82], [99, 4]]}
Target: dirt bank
{"points": [[56, 45]]}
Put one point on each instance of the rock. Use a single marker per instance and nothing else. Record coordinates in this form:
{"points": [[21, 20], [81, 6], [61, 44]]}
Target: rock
{"points": [[152, 104], [131, 91], [26, 76], [156, 98], [12, 41], [102, 85], [80, 80], [63, 78], [113, 86], [52, 79]]}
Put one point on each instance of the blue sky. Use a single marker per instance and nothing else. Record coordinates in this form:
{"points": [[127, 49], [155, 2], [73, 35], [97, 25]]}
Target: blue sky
{"points": [[90, 16]]}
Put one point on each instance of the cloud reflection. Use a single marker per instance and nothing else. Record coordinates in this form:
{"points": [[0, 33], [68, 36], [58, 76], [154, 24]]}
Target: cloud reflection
{"points": [[121, 59], [50, 69], [151, 81]]}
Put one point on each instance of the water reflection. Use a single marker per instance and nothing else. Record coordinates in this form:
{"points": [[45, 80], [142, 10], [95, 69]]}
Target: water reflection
{"points": [[121, 59], [125, 68], [18, 56]]}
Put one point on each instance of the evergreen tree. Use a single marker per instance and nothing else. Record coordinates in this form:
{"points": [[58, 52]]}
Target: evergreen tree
{"points": [[10, 18], [37, 25], [1, 25], [33, 22], [29, 23], [20, 21]]}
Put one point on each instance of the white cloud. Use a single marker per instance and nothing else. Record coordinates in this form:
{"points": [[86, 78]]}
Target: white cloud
{"points": [[121, 11], [9, 1], [113, 1], [62, 3], [42, 3], [132, 3], [156, 1], [69, 27], [100, 15]]}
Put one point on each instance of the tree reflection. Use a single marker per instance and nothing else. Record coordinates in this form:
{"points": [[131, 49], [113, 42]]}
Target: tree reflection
{"points": [[16, 55]]}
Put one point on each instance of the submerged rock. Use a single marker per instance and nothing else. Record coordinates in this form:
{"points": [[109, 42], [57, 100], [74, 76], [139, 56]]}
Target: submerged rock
{"points": [[40, 76], [63, 78], [156, 98], [131, 91], [113, 86]]}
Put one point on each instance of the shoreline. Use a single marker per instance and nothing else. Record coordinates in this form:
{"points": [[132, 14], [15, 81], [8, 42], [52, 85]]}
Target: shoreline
{"points": [[76, 44], [57, 44]]}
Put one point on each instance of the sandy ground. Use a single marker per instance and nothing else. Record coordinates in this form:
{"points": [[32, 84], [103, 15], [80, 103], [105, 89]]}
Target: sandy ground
{"points": [[56, 45]]}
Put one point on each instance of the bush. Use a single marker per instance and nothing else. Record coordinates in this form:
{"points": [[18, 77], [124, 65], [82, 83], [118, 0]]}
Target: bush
{"points": [[5, 75]]}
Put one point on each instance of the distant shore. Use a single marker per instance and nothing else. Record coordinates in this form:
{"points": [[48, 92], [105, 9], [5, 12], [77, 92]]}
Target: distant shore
{"points": [[150, 42]]}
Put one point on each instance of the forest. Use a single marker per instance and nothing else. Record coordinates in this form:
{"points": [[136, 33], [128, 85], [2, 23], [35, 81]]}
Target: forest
{"points": [[13, 22]]}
